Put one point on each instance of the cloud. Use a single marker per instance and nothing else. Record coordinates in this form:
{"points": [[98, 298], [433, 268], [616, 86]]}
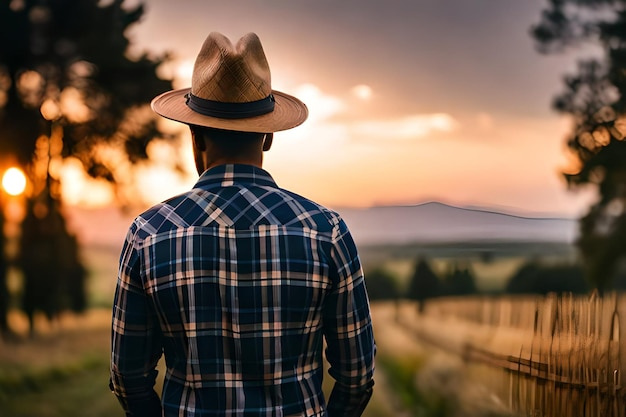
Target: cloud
{"points": [[362, 92], [324, 125], [405, 128], [321, 106]]}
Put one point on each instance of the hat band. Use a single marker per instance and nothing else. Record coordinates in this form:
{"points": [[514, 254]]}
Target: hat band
{"points": [[230, 110]]}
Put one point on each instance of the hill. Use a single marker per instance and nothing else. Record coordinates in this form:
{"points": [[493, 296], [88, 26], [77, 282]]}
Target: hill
{"points": [[435, 222], [422, 223]]}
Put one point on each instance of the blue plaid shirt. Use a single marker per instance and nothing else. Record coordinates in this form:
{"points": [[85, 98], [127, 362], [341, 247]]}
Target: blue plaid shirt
{"points": [[238, 282]]}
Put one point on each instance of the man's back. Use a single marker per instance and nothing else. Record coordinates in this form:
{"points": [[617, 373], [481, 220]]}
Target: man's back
{"points": [[241, 281]]}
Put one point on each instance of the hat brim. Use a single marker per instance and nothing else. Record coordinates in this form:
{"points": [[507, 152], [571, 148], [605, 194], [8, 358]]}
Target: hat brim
{"points": [[288, 112]]}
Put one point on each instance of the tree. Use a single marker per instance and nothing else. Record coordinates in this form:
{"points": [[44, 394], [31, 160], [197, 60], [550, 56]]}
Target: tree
{"points": [[534, 278], [424, 284], [596, 101], [4, 291], [459, 281], [381, 284], [524, 279], [69, 88], [67, 61], [54, 277]]}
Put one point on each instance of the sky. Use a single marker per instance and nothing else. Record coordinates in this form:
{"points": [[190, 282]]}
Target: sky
{"points": [[410, 101]]}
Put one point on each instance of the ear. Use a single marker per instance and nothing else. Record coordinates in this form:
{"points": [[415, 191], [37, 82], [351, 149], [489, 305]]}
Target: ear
{"points": [[198, 140], [267, 141]]}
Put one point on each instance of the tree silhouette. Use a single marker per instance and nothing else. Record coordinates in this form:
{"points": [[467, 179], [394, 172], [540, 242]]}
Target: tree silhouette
{"points": [[68, 87], [459, 281], [54, 278], [524, 279], [534, 278], [424, 284], [381, 284], [595, 100], [68, 60], [4, 291]]}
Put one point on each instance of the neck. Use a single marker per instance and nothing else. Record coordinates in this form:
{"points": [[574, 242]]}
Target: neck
{"points": [[213, 161], [213, 148]]}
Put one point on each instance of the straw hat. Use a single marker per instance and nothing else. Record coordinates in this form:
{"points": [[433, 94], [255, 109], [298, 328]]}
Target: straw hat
{"points": [[231, 90]]}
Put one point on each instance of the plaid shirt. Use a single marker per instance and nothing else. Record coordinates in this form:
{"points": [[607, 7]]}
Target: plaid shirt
{"points": [[238, 282]]}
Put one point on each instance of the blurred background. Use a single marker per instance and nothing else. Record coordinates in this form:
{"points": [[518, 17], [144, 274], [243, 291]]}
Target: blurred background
{"points": [[474, 148]]}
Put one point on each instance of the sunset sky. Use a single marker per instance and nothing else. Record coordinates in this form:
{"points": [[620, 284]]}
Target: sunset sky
{"points": [[410, 101]]}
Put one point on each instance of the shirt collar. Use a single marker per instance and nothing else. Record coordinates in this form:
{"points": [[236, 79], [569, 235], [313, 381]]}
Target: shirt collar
{"points": [[230, 174]]}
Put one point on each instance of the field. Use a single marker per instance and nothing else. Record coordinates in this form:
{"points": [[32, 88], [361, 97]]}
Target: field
{"points": [[492, 263], [63, 370]]}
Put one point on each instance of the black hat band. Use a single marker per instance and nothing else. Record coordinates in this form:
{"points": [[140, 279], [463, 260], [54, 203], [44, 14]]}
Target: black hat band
{"points": [[230, 110]]}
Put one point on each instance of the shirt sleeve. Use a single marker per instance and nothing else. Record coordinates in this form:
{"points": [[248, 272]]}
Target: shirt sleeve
{"points": [[348, 330], [136, 338]]}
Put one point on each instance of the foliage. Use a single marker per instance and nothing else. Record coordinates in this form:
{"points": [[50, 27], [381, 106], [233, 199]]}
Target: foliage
{"points": [[595, 100], [534, 278], [459, 281], [67, 60], [524, 279], [424, 283], [4, 291], [54, 277], [381, 284], [69, 88]]}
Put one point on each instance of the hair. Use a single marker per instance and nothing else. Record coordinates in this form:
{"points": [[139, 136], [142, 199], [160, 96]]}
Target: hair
{"points": [[229, 142]]}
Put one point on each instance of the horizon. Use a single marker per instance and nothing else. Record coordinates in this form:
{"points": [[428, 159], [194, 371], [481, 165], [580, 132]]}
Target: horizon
{"points": [[495, 209], [359, 219]]}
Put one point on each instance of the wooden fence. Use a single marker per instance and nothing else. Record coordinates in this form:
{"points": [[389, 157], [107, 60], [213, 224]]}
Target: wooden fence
{"points": [[562, 355]]}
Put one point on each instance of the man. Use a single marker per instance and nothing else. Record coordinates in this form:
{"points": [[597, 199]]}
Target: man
{"points": [[238, 282]]}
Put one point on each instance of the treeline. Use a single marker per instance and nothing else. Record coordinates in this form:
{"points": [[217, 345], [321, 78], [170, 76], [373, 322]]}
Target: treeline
{"points": [[532, 277], [424, 283]]}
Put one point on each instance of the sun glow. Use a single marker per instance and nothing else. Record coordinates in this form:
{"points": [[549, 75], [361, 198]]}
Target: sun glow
{"points": [[80, 189], [14, 181]]}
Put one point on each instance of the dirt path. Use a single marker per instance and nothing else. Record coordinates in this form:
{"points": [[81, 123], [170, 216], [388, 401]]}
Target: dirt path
{"points": [[391, 340]]}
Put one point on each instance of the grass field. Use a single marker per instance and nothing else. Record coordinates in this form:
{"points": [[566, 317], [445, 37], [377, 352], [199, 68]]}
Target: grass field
{"points": [[63, 371]]}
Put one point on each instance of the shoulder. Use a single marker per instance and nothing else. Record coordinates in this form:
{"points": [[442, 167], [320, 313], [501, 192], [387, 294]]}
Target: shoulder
{"points": [[162, 216], [306, 208]]}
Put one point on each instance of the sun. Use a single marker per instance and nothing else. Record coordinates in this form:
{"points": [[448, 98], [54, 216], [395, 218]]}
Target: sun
{"points": [[14, 181]]}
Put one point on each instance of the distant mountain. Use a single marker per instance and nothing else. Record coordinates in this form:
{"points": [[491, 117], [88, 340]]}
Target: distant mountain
{"points": [[423, 223], [437, 222]]}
